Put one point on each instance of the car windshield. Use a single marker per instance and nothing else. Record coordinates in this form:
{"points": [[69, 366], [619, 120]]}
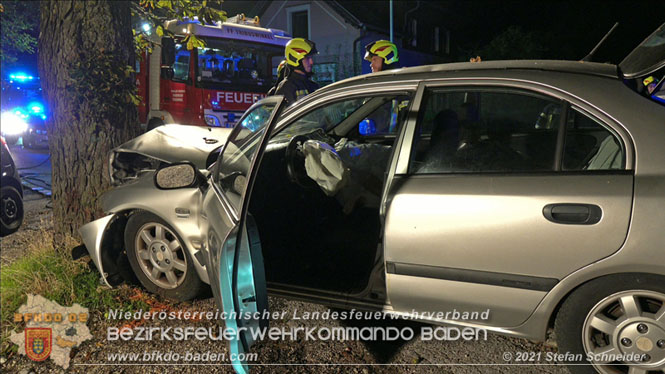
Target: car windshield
{"points": [[235, 63]]}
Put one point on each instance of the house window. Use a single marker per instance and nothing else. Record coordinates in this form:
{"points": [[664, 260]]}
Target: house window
{"points": [[298, 19], [437, 42]]}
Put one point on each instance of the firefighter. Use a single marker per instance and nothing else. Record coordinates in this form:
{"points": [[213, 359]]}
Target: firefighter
{"points": [[297, 84], [282, 71], [382, 55]]}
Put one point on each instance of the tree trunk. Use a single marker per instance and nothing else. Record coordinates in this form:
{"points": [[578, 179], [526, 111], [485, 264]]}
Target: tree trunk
{"points": [[86, 119]]}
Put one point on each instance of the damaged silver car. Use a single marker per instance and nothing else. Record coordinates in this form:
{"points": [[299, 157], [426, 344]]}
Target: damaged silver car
{"points": [[534, 189]]}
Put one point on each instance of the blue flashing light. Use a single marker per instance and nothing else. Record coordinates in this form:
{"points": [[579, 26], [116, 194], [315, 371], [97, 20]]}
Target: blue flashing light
{"points": [[36, 107], [21, 77], [20, 113], [43, 117]]}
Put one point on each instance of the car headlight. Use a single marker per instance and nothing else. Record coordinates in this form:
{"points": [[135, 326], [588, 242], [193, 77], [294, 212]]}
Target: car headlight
{"points": [[13, 124]]}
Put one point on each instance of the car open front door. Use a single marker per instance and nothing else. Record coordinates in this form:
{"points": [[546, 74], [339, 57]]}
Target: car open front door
{"points": [[235, 262]]}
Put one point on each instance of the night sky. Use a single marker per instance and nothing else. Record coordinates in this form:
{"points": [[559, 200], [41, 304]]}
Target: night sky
{"points": [[570, 28], [566, 29]]}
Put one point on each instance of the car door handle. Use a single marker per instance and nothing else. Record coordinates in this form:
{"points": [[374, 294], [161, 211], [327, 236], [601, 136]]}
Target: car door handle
{"points": [[573, 214]]}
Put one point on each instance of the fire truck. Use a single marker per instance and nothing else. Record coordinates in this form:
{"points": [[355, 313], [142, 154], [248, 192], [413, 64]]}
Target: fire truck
{"points": [[211, 85]]}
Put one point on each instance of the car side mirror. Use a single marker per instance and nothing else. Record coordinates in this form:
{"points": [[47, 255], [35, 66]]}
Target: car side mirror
{"points": [[367, 127], [183, 175]]}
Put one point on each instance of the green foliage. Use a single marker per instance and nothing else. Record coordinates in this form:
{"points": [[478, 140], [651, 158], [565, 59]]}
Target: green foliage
{"points": [[514, 43], [156, 12], [57, 277], [19, 21], [106, 72]]}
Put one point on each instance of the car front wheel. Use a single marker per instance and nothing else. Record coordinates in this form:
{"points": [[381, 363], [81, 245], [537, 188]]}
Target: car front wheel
{"points": [[12, 210], [614, 324], [159, 258]]}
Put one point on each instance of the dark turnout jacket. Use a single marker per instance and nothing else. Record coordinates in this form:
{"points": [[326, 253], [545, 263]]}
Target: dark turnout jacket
{"points": [[295, 86]]}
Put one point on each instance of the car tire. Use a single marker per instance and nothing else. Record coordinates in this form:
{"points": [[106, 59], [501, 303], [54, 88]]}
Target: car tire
{"points": [[11, 210], [630, 310], [154, 123], [159, 258]]}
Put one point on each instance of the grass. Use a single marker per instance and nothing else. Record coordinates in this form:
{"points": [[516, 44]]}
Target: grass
{"points": [[55, 276]]}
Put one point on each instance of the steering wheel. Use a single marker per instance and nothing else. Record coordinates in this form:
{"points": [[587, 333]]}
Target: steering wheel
{"points": [[295, 162]]}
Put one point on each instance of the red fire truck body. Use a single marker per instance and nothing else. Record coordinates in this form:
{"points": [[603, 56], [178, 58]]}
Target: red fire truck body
{"points": [[213, 85]]}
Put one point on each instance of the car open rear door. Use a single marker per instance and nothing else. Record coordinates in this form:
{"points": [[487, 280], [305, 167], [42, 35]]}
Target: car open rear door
{"points": [[235, 261], [647, 58]]}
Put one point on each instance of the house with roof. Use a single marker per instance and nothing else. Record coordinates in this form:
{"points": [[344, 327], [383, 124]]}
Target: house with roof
{"points": [[341, 29]]}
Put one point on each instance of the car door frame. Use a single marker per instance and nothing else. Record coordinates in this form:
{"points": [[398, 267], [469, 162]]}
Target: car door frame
{"points": [[225, 293], [310, 103]]}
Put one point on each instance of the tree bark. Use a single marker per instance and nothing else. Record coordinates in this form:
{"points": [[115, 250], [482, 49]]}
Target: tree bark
{"points": [[82, 128]]}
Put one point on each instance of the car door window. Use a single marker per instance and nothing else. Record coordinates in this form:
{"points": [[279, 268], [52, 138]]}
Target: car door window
{"points": [[324, 118], [486, 130], [378, 115], [239, 152], [385, 119], [590, 146]]}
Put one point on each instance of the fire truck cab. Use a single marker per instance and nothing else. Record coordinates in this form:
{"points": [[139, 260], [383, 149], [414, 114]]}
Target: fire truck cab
{"points": [[212, 85]]}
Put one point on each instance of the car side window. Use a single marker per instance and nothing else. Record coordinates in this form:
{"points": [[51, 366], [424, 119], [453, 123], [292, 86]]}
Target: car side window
{"points": [[485, 130], [386, 118], [239, 152], [590, 146]]}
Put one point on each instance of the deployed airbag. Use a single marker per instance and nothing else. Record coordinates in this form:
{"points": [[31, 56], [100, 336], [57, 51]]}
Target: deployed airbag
{"points": [[350, 171], [324, 166]]}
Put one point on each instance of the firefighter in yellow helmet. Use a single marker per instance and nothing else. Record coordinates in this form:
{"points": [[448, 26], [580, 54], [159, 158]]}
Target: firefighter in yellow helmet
{"points": [[282, 71], [297, 84], [382, 55]]}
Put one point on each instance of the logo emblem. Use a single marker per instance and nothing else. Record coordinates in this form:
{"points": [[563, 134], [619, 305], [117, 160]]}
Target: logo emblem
{"points": [[38, 343]]}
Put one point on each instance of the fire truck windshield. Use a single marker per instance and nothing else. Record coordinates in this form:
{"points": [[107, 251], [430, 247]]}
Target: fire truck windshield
{"points": [[236, 63]]}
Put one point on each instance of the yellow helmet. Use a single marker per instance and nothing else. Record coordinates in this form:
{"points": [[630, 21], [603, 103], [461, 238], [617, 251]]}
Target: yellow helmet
{"points": [[384, 49], [281, 66], [297, 48]]}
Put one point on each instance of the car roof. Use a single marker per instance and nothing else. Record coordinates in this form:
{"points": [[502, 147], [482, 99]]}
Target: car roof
{"points": [[441, 70]]}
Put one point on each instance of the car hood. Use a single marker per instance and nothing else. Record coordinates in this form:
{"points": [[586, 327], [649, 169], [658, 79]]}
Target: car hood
{"points": [[648, 57], [175, 143]]}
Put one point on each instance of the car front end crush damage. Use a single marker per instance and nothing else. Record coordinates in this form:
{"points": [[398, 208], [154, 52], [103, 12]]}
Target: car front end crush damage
{"points": [[132, 166]]}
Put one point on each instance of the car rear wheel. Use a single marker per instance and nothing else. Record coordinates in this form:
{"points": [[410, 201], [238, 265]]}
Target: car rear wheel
{"points": [[12, 210], [615, 325], [159, 258]]}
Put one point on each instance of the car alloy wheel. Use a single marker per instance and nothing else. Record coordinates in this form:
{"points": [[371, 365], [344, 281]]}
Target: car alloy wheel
{"points": [[160, 258], [161, 255], [627, 324], [619, 315]]}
